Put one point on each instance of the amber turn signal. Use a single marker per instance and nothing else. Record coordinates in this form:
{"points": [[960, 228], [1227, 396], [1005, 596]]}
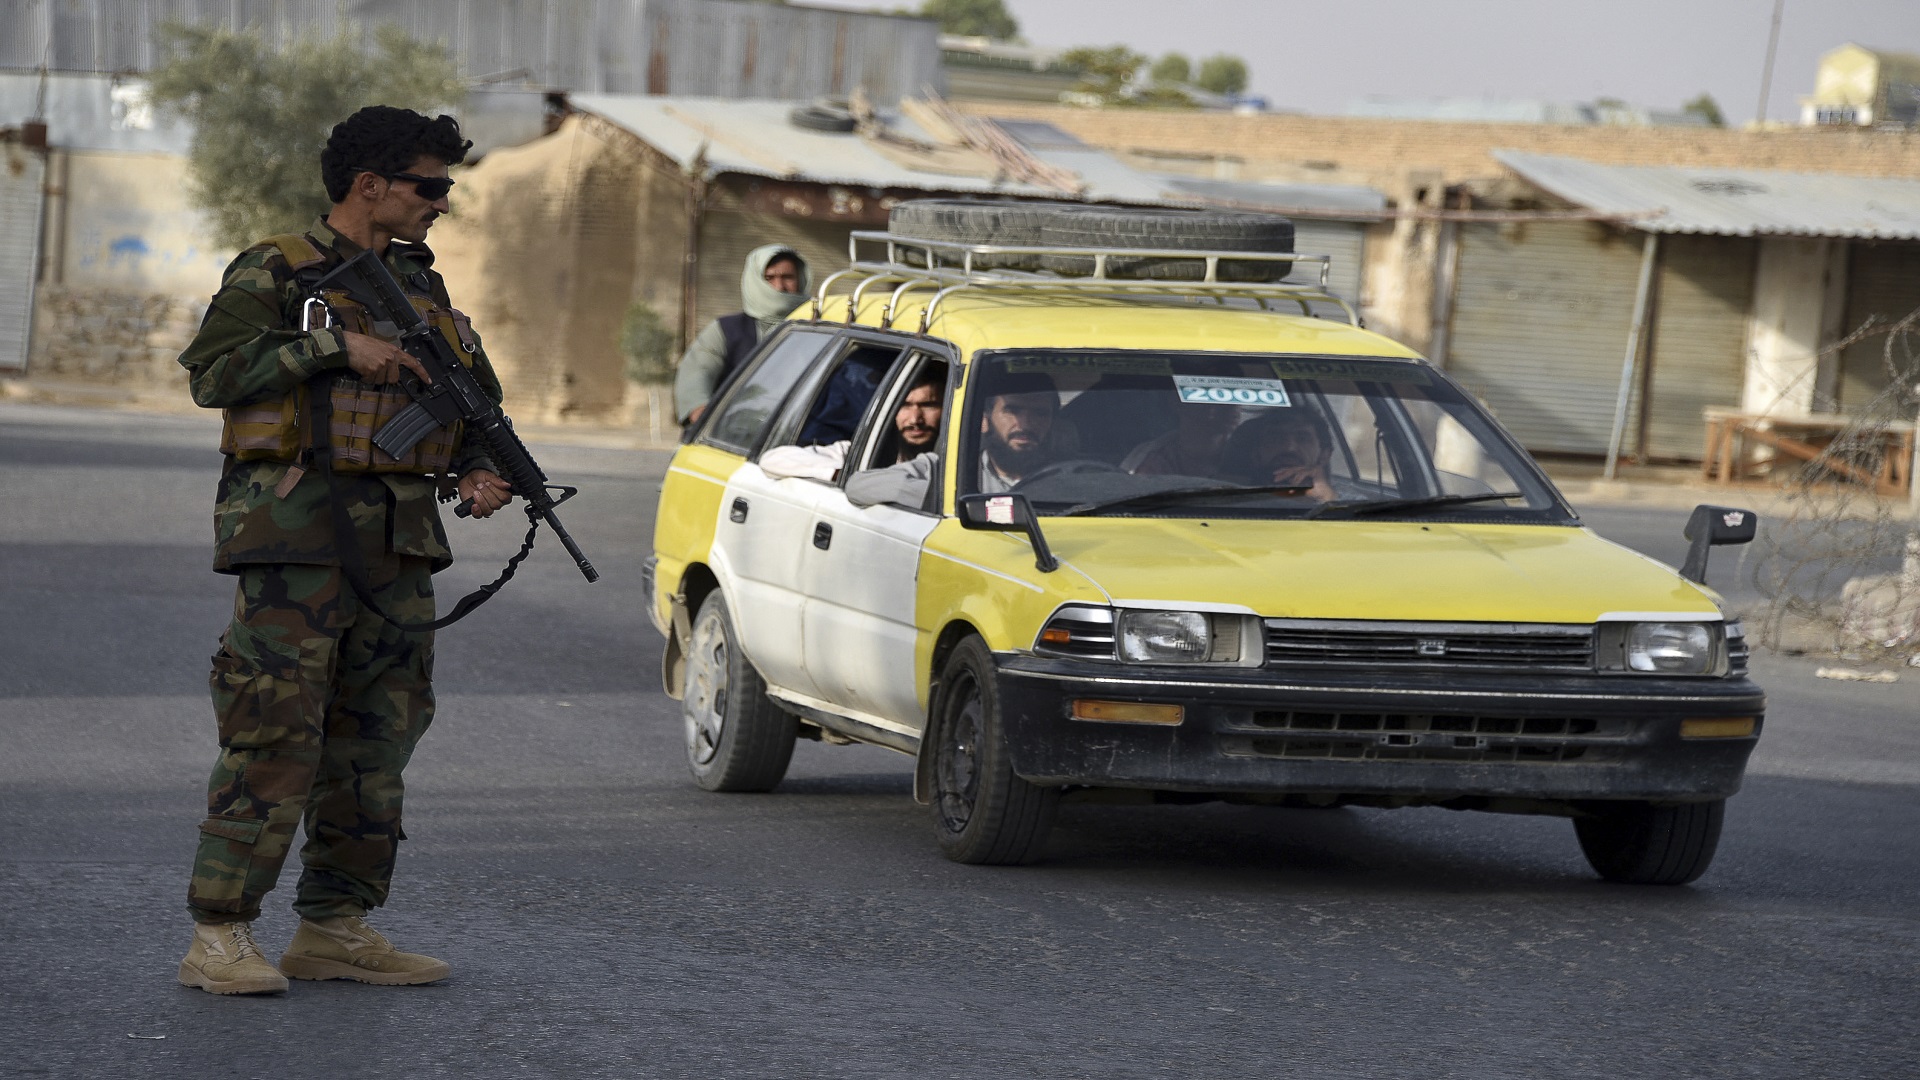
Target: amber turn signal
{"points": [[1127, 712], [1718, 727]]}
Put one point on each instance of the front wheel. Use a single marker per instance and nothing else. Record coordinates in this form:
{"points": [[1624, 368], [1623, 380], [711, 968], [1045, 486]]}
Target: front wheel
{"points": [[1639, 843], [737, 738], [982, 812]]}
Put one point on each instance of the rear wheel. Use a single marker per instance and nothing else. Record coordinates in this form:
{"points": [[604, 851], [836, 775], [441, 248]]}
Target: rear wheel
{"points": [[1639, 843], [737, 738], [982, 812]]}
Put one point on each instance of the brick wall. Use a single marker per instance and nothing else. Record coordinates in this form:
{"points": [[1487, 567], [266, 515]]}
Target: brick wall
{"points": [[1378, 150]]}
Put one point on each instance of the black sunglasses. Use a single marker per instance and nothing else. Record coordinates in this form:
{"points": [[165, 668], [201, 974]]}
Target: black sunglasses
{"points": [[430, 188]]}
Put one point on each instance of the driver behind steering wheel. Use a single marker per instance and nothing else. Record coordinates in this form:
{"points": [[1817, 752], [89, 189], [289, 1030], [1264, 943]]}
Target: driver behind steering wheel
{"points": [[1016, 429]]}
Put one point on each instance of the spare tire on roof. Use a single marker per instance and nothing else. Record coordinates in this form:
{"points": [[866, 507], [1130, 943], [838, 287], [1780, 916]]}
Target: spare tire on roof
{"points": [[1172, 230], [824, 114], [1005, 222]]}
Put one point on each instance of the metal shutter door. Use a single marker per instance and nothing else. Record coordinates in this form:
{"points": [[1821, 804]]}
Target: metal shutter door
{"points": [[22, 185], [1345, 241], [1882, 279], [1540, 321], [1704, 297]]}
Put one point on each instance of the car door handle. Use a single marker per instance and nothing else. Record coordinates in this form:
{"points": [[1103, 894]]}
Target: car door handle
{"points": [[823, 536], [739, 511]]}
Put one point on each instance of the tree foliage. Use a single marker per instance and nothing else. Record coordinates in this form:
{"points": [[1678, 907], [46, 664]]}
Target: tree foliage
{"points": [[1707, 109], [261, 115], [1223, 74], [1107, 73], [1171, 68], [975, 18]]}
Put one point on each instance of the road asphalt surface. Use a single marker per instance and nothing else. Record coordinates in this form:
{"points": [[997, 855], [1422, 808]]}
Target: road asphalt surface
{"points": [[606, 918]]}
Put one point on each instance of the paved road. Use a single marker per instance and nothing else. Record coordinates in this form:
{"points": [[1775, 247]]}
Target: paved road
{"points": [[605, 918]]}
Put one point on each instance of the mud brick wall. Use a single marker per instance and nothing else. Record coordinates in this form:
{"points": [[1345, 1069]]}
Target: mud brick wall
{"points": [[110, 337]]}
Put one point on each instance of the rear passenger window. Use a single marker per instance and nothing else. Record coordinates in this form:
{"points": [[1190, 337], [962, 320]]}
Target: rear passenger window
{"points": [[752, 401]]}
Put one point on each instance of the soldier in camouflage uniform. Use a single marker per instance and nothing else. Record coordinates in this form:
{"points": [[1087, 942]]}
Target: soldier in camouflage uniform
{"points": [[320, 701]]}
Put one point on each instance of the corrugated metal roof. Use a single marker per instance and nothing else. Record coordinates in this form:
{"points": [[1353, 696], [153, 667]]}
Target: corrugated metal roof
{"points": [[755, 137], [728, 48], [1730, 202], [1324, 200]]}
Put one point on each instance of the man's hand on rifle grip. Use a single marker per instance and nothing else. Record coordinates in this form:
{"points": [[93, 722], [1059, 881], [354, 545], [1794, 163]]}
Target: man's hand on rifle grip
{"points": [[377, 361], [483, 492]]}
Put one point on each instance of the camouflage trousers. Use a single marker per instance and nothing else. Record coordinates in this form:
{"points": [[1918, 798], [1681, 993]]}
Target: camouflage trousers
{"points": [[319, 704]]}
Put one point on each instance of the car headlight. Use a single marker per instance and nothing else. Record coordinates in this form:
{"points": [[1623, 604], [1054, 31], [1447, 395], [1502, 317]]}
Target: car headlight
{"points": [[1671, 648], [1165, 637], [1082, 631]]}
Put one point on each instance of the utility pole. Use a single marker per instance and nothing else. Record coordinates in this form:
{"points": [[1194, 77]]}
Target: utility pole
{"points": [[1766, 70]]}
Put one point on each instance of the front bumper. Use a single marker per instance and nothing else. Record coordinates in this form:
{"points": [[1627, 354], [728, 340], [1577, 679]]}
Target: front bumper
{"points": [[1419, 739]]}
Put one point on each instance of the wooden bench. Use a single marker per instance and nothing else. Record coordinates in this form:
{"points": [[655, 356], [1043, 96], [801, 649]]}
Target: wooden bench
{"points": [[1746, 446]]}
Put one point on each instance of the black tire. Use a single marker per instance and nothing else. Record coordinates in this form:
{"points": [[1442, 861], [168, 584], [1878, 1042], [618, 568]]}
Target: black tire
{"points": [[737, 738], [1639, 843], [982, 813], [820, 116], [977, 221], [1173, 230]]}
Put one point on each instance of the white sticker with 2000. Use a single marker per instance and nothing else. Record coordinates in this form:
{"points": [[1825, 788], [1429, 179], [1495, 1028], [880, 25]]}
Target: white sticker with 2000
{"points": [[1219, 390]]}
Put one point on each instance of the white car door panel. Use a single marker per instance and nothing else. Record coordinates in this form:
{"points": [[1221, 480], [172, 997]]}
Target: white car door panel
{"points": [[859, 620], [763, 530]]}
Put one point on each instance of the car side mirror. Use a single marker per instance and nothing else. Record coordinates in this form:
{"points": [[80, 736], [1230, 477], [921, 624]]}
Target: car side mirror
{"points": [[1711, 526], [1007, 513]]}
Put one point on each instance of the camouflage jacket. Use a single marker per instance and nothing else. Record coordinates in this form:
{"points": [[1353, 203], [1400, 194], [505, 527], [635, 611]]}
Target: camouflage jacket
{"points": [[250, 349]]}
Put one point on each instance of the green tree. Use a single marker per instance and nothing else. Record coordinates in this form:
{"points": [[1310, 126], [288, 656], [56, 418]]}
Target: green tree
{"points": [[261, 115], [1223, 74], [1171, 68], [1707, 109], [1106, 73], [975, 18], [650, 346]]}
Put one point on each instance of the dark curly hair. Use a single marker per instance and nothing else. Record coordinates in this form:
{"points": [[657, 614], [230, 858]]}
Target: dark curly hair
{"points": [[383, 139]]}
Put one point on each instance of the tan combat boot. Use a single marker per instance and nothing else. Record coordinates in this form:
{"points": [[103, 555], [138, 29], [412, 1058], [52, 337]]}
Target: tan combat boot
{"points": [[347, 948], [224, 960]]}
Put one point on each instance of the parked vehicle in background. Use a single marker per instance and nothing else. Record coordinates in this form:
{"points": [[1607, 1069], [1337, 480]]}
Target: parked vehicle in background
{"points": [[1178, 542]]}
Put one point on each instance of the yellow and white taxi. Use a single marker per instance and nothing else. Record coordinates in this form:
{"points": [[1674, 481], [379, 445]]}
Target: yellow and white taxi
{"points": [[1170, 539]]}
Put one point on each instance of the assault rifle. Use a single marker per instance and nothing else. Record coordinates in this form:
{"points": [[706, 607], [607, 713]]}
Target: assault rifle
{"points": [[453, 395]]}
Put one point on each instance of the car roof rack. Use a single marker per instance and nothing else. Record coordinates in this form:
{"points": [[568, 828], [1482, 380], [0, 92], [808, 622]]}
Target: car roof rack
{"points": [[948, 267]]}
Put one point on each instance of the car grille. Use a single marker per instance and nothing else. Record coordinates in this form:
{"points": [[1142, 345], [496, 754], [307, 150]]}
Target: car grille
{"points": [[1519, 648], [1422, 737]]}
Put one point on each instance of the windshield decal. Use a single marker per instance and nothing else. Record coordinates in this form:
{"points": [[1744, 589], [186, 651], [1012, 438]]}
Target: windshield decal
{"points": [[1103, 365], [1221, 390], [1301, 367]]}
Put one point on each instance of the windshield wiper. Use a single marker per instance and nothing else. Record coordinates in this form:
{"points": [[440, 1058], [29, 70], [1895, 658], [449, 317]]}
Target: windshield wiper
{"points": [[1358, 507], [1179, 495]]}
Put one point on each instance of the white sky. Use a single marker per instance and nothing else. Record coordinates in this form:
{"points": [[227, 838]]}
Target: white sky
{"points": [[1320, 56]]}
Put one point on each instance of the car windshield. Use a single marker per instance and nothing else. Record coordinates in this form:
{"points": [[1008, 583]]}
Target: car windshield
{"points": [[1127, 433]]}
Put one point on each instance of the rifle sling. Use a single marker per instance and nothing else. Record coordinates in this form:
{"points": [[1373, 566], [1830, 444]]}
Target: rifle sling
{"points": [[347, 546]]}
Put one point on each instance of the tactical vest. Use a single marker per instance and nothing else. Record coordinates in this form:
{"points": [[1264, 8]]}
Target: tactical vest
{"points": [[277, 430]]}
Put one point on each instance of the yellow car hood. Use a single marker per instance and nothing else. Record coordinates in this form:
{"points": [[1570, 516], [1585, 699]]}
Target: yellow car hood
{"points": [[1425, 571]]}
